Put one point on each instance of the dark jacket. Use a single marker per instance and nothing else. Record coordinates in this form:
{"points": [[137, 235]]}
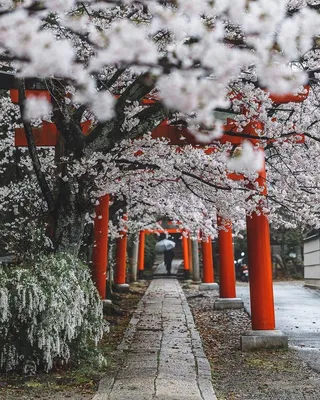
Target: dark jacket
{"points": [[168, 256]]}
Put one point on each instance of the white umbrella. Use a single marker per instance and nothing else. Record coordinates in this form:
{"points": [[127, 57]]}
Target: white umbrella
{"points": [[165, 245]]}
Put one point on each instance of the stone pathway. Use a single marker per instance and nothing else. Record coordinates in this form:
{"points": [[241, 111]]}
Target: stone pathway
{"points": [[162, 355]]}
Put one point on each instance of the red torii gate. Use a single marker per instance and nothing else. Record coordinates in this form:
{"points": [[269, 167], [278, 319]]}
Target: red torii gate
{"points": [[120, 273], [259, 253], [185, 248], [48, 136]]}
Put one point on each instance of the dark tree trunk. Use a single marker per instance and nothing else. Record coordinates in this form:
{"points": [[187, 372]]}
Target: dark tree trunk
{"points": [[69, 230], [70, 218]]}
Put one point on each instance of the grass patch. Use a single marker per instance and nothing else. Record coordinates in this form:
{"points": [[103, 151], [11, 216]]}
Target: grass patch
{"points": [[275, 361]]}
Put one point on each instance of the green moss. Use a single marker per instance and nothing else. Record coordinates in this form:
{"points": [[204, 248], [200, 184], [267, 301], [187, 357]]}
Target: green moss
{"points": [[268, 362]]}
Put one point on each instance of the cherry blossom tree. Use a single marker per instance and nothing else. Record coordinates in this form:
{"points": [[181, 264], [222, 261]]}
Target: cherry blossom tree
{"points": [[128, 65]]}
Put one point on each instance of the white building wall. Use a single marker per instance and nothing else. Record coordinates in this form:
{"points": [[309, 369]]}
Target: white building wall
{"points": [[312, 261]]}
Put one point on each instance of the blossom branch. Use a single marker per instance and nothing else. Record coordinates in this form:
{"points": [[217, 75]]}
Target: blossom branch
{"points": [[33, 151]]}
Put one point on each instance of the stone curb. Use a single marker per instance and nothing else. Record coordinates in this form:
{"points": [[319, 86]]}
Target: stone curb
{"points": [[203, 367], [107, 382]]}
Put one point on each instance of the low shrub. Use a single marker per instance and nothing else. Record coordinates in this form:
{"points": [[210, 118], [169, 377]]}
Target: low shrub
{"points": [[50, 314]]}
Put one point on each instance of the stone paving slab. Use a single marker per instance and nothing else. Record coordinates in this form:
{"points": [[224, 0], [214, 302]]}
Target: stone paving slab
{"points": [[161, 268], [161, 355]]}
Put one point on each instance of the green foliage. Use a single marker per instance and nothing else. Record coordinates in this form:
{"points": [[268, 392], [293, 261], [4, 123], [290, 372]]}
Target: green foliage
{"points": [[149, 252], [50, 314], [288, 261], [240, 245]]}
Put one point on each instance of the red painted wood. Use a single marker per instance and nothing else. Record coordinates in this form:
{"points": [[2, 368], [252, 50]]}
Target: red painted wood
{"points": [[14, 94], [177, 135], [42, 138], [121, 258], [142, 236], [260, 266], [100, 248], [208, 274], [226, 258], [164, 230], [46, 136], [185, 248], [181, 136], [290, 97], [260, 272]]}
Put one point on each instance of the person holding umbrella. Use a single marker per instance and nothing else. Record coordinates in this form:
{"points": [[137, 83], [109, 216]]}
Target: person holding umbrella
{"points": [[165, 246]]}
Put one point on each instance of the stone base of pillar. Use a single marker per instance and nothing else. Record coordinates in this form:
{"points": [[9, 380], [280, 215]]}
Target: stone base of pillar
{"points": [[121, 287], [228, 304], [187, 282], [186, 274], [196, 282], [208, 286], [107, 306], [140, 275], [255, 340], [134, 283]]}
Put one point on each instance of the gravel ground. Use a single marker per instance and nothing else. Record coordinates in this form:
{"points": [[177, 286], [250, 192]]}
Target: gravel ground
{"points": [[261, 375]]}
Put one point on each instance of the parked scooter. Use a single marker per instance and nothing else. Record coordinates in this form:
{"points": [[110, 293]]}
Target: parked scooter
{"points": [[244, 276]]}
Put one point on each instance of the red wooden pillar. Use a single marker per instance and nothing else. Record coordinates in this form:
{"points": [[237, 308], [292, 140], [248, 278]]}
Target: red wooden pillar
{"points": [[208, 275], [260, 267], [142, 239], [227, 269], [186, 260], [121, 258], [100, 249]]}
